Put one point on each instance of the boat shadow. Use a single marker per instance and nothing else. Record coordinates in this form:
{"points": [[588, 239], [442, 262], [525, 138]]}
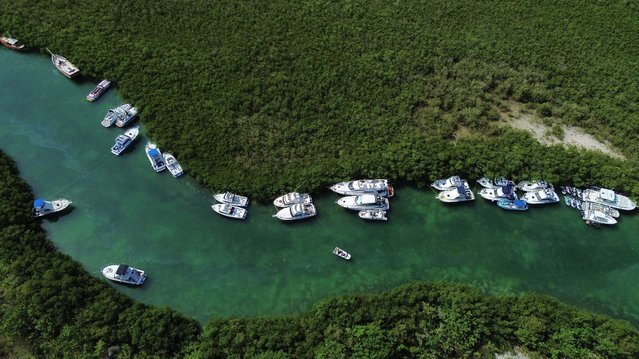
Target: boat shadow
{"points": [[55, 217]]}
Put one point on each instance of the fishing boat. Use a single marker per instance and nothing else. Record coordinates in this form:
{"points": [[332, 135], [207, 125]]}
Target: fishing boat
{"points": [[512, 205], [364, 186], [364, 201], [591, 206], [114, 114], [292, 198], [63, 65], [342, 253], [296, 212], [609, 198], [373, 215], [445, 184], [98, 90], [155, 157], [123, 273], [231, 198], [460, 193], [12, 43], [544, 196], [123, 141], [494, 194], [533, 186], [499, 182], [43, 208], [228, 210], [173, 165], [130, 115], [597, 217]]}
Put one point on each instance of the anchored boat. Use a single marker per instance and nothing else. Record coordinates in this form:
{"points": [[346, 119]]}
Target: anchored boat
{"points": [[125, 274], [495, 193], [231, 198], [544, 196], [292, 198], [173, 165], [445, 184], [597, 217], [12, 43], [533, 186], [342, 253], [63, 65], [230, 211], [43, 208], [155, 157], [363, 202], [296, 212], [373, 215], [500, 182], [364, 186], [512, 205], [123, 141], [98, 90], [460, 193], [609, 198]]}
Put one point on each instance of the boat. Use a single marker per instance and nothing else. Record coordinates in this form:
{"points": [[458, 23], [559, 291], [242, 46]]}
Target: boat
{"points": [[494, 194], [373, 215], [131, 114], [114, 114], [363, 186], [512, 205], [63, 65], [123, 141], [499, 182], [591, 206], [230, 198], [364, 201], [98, 90], [567, 201], [533, 186], [296, 212], [609, 198], [42, 208], [12, 43], [546, 195], [460, 193], [123, 273], [342, 253], [229, 210], [292, 198], [445, 184], [155, 157], [597, 217], [173, 165]]}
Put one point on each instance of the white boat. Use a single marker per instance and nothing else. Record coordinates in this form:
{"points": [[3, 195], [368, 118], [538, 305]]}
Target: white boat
{"points": [[445, 184], [155, 157], [592, 206], [173, 165], [12, 43], [494, 194], [533, 186], [364, 201], [98, 90], [460, 193], [292, 198], [597, 217], [342, 253], [500, 182], [42, 208], [373, 215], [230, 198], [363, 186], [609, 198], [114, 114], [296, 212], [123, 273], [131, 114], [63, 65], [230, 211], [546, 195], [123, 141]]}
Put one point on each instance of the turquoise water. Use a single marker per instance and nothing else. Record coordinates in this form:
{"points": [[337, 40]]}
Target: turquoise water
{"points": [[205, 265]]}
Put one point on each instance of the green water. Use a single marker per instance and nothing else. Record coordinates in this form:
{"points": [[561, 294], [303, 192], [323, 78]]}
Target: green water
{"points": [[204, 265]]}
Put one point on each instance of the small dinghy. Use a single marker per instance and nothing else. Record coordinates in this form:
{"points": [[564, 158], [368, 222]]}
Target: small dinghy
{"points": [[512, 205], [12, 43], [230, 211], [98, 90], [292, 198], [373, 215], [173, 165], [231, 198], [125, 274], [43, 208], [342, 253]]}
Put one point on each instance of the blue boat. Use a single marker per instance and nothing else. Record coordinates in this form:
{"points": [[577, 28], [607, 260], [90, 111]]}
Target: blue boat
{"points": [[512, 205]]}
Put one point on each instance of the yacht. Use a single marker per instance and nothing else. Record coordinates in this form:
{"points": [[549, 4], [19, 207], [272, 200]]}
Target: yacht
{"points": [[123, 273], [592, 206], [292, 198], [597, 217], [533, 186], [609, 198], [364, 201], [130, 115], [512, 205], [114, 114], [98, 90], [500, 182], [228, 210], [546, 195], [173, 165], [231, 198], [460, 193], [12, 43], [42, 208], [342, 253], [296, 212], [356, 187], [123, 141], [63, 65], [373, 215], [494, 194], [445, 184], [155, 157]]}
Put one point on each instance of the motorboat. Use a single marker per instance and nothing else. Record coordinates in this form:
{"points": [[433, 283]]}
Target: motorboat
{"points": [[364, 201], [373, 215], [130, 115], [296, 212], [533, 186], [231, 198], [592, 206], [173, 165], [609, 198], [123, 273], [445, 184], [364, 186], [494, 194], [229, 210], [292, 198], [114, 114], [42, 208], [123, 141], [155, 157], [546, 195], [512, 205], [460, 193], [12, 43], [597, 217], [63, 65], [98, 90], [342, 253], [499, 182]]}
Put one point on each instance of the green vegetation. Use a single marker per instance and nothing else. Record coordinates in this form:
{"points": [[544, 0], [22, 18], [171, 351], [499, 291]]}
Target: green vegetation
{"points": [[263, 97]]}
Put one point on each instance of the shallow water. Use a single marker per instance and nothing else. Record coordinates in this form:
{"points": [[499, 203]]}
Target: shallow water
{"points": [[204, 265]]}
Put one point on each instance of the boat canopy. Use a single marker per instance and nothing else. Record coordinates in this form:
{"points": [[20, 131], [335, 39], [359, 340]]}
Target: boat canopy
{"points": [[153, 152], [38, 203], [519, 203], [607, 194], [122, 268]]}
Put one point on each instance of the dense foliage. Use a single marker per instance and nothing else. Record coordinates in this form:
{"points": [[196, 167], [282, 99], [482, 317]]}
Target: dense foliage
{"points": [[267, 96]]}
